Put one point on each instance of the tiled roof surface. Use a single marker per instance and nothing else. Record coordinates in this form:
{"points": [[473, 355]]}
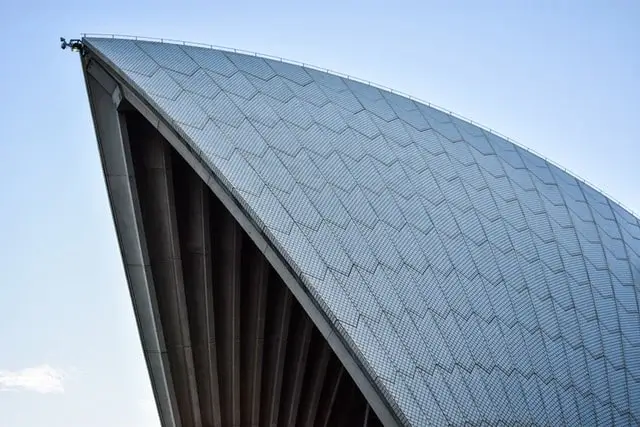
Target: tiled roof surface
{"points": [[474, 280]]}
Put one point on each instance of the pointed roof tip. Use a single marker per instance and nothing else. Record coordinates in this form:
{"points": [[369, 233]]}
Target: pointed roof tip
{"points": [[75, 45]]}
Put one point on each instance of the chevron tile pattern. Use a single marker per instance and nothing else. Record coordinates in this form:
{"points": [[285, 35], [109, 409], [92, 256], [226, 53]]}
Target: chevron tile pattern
{"points": [[476, 282]]}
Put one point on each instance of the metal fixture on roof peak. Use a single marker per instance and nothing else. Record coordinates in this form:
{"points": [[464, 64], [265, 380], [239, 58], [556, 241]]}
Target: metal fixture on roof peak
{"points": [[74, 44]]}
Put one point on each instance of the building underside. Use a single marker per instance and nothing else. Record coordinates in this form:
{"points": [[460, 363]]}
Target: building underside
{"points": [[241, 350], [234, 345]]}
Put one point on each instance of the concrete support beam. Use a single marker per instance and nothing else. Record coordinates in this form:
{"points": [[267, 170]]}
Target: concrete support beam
{"points": [[296, 365], [366, 416], [155, 179], [193, 212], [227, 263], [333, 384], [309, 407], [279, 314], [115, 154], [254, 306]]}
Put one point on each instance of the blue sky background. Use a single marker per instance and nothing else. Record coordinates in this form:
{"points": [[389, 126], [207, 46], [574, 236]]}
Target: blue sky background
{"points": [[562, 79]]}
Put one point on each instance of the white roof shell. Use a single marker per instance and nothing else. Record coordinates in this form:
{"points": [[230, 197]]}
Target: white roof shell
{"points": [[473, 280]]}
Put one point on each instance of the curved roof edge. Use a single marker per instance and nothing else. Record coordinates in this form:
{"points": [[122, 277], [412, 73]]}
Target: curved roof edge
{"points": [[382, 402], [377, 86]]}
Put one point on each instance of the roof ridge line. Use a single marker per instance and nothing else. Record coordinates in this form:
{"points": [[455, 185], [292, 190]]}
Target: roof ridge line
{"points": [[485, 128]]}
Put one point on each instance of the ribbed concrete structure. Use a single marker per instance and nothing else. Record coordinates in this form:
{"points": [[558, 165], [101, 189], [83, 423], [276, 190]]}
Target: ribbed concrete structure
{"points": [[305, 249]]}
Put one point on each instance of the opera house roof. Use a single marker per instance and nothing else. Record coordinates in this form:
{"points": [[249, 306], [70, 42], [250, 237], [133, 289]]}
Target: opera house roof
{"points": [[469, 279]]}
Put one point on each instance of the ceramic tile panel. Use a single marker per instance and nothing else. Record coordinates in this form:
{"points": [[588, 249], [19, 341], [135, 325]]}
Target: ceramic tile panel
{"points": [[475, 282]]}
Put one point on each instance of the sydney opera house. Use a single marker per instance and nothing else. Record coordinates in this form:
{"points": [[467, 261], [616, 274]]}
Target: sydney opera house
{"points": [[305, 249]]}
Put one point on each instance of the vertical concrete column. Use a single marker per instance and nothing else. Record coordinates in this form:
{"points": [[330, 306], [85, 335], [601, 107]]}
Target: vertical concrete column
{"points": [[254, 306], [309, 407], [366, 416], [279, 313], [115, 153], [152, 158], [227, 237], [296, 365], [193, 213], [333, 385]]}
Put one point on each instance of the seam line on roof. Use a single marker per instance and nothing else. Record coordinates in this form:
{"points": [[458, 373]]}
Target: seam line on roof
{"points": [[368, 83]]}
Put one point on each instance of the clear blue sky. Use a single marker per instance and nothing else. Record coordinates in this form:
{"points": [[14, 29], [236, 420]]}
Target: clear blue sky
{"points": [[561, 79]]}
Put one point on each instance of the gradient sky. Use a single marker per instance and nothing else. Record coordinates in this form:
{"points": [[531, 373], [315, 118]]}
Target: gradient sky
{"points": [[561, 79]]}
